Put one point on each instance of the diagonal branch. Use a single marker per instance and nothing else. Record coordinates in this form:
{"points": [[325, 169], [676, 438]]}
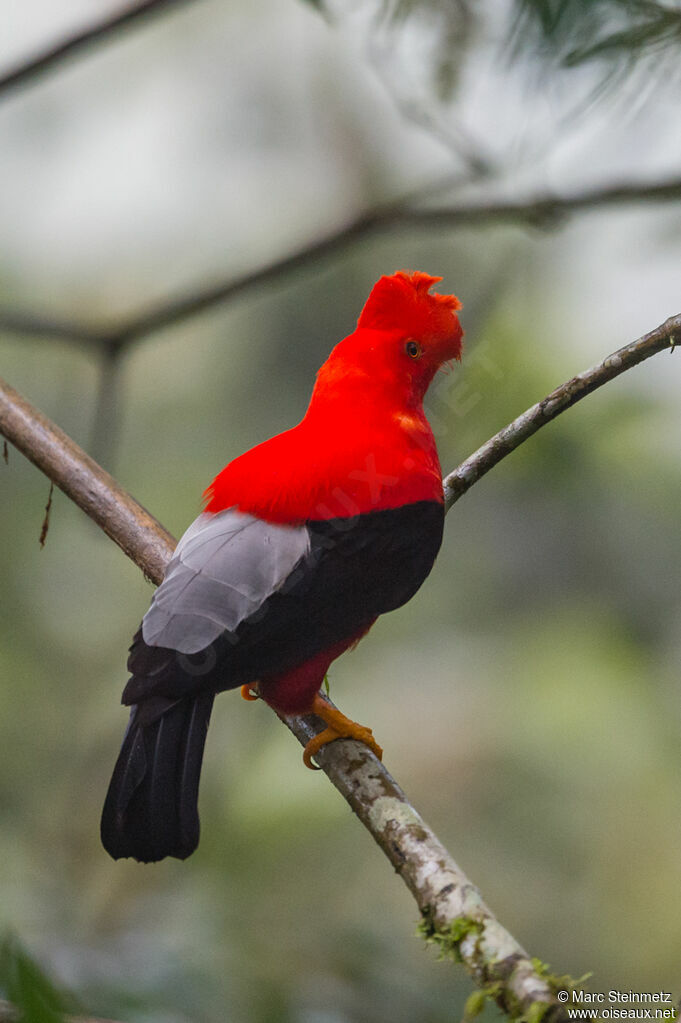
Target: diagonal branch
{"points": [[403, 212], [454, 914], [38, 325], [31, 69], [460, 480], [137, 533]]}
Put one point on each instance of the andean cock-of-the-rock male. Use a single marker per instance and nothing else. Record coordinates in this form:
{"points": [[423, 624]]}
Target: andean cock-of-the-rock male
{"points": [[304, 541]]}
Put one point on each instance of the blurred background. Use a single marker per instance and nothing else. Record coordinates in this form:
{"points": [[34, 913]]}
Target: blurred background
{"points": [[528, 699]]}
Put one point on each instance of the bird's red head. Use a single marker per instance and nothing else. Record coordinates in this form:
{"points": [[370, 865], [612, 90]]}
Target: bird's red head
{"points": [[404, 335], [402, 303]]}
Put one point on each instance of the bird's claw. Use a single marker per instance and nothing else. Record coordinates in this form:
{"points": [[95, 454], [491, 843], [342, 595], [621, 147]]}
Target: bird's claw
{"points": [[338, 727]]}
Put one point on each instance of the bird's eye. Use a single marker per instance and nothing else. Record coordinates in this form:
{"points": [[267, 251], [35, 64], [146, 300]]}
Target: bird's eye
{"points": [[413, 349]]}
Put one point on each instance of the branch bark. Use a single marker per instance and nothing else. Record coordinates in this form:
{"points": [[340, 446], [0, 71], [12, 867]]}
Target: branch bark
{"points": [[127, 523], [461, 479], [452, 908]]}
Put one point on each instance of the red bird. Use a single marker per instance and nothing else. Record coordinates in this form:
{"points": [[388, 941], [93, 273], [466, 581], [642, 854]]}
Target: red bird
{"points": [[304, 541]]}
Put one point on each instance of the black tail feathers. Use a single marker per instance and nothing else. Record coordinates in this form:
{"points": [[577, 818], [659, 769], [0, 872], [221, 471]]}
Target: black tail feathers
{"points": [[151, 807]]}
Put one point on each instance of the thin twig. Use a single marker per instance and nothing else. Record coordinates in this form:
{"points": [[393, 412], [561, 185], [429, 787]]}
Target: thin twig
{"points": [[453, 910], [104, 31], [404, 212], [46, 521], [547, 210], [456, 483]]}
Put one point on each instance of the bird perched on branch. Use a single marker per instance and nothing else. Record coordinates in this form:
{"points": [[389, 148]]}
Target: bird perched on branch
{"points": [[303, 542]]}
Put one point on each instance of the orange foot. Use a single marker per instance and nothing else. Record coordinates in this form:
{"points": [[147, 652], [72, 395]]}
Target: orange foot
{"points": [[338, 727], [248, 693]]}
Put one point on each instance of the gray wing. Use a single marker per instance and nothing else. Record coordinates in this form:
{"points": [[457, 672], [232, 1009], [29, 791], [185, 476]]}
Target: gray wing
{"points": [[223, 569]]}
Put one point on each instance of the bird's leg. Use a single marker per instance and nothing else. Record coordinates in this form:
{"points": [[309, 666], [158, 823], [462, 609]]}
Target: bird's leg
{"points": [[338, 727]]}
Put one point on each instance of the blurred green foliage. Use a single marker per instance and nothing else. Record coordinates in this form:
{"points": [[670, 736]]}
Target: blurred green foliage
{"points": [[27, 988]]}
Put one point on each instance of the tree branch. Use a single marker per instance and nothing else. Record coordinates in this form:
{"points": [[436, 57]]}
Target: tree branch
{"points": [[404, 212], [37, 325], [453, 911], [454, 915], [460, 480], [541, 211], [29, 70], [127, 523]]}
